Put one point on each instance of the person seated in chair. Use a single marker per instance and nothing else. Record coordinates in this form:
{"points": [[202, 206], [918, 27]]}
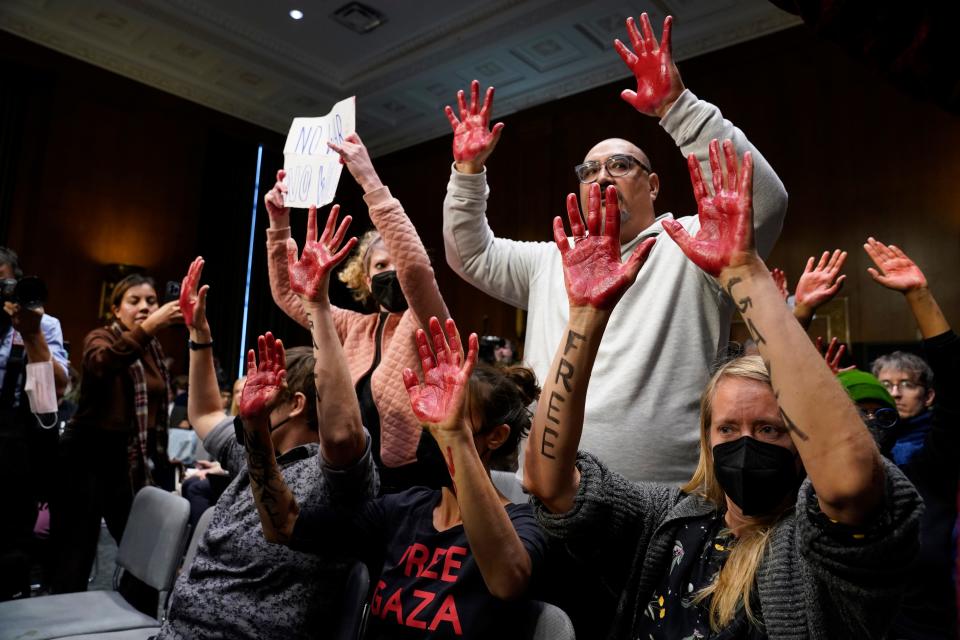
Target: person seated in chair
{"points": [[238, 585]]}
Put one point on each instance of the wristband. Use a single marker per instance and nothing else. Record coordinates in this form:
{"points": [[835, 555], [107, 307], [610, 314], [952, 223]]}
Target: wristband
{"points": [[197, 346]]}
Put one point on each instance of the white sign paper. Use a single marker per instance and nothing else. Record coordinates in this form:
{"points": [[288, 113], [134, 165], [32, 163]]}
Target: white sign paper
{"points": [[313, 169]]}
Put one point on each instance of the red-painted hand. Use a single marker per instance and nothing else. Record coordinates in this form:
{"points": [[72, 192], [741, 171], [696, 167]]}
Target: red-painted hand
{"points": [[438, 401], [780, 279], [725, 238], [275, 198], [819, 284], [896, 270], [263, 384], [592, 270], [192, 302], [310, 276], [658, 80], [473, 141], [833, 354]]}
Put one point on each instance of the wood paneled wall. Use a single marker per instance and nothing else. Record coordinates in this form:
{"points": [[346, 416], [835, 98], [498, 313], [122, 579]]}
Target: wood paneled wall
{"points": [[112, 171]]}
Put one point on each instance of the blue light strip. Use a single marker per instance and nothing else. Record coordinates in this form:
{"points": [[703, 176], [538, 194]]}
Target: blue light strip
{"points": [[242, 369]]}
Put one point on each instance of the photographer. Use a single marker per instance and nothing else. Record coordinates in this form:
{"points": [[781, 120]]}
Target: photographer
{"points": [[27, 337], [116, 442]]}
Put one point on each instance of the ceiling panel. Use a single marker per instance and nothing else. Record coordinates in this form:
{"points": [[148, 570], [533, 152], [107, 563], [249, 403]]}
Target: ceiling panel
{"points": [[248, 58]]}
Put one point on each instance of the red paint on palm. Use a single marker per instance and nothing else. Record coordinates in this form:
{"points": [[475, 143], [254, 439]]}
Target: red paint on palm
{"points": [[438, 400], [188, 290], [652, 65], [264, 381], [309, 276], [725, 236], [832, 355], [592, 270], [471, 134]]}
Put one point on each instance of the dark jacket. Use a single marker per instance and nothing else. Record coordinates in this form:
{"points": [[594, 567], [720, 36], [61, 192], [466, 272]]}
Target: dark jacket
{"points": [[812, 583]]}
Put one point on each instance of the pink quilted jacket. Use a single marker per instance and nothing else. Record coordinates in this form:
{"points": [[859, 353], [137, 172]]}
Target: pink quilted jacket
{"points": [[399, 428]]}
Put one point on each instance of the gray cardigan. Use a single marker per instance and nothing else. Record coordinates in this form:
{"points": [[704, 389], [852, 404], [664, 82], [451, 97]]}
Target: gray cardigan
{"points": [[811, 584]]}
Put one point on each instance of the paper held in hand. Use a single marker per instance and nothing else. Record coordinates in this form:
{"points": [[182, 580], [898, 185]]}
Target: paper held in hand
{"points": [[313, 169]]}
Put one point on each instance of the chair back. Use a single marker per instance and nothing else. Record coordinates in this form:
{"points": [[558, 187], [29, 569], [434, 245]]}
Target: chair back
{"points": [[197, 536], [153, 541], [548, 622], [354, 609], [510, 486]]}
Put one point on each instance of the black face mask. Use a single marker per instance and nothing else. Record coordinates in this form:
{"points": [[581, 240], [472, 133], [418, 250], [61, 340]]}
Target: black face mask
{"points": [[757, 476], [387, 292]]}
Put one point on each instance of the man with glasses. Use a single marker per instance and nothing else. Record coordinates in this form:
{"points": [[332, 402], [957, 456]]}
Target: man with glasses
{"points": [[925, 442], [641, 420]]}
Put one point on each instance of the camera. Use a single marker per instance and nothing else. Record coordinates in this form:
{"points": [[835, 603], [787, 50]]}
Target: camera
{"points": [[29, 292], [171, 292]]}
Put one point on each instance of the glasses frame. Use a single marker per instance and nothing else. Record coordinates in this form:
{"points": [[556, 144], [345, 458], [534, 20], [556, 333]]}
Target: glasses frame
{"points": [[903, 385], [598, 165], [882, 418]]}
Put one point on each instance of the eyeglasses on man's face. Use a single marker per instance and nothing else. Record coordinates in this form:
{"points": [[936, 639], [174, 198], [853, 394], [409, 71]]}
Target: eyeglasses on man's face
{"points": [[617, 166], [903, 385], [883, 418]]}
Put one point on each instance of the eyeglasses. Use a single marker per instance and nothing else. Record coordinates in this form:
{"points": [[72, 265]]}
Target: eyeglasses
{"points": [[903, 385], [883, 418], [617, 166]]}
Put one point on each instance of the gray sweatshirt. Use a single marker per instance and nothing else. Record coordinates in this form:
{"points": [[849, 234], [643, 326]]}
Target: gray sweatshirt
{"points": [[811, 583], [654, 360]]}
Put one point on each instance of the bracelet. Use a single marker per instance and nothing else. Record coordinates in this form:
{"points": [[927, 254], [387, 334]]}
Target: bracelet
{"points": [[197, 346]]}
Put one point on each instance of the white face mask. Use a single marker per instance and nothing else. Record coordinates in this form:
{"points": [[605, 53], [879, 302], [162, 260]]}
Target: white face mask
{"points": [[41, 390]]}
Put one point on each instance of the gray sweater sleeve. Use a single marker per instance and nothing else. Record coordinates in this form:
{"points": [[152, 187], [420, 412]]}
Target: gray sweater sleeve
{"points": [[612, 519], [499, 267], [693, 123], [857, 577]]}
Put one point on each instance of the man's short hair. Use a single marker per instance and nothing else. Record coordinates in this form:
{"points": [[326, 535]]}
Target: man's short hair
{"points": [[300, 366], [912, 364], [9, 256]]}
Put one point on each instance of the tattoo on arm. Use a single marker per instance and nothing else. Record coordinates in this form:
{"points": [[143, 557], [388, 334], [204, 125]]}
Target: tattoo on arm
{"points": [[787, 420], [312, 338], [565, 371], [266, 482]]}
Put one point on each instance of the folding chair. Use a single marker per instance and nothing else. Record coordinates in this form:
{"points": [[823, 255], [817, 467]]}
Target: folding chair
{"points": [[355, 592], [548, 622], [150, 550]]}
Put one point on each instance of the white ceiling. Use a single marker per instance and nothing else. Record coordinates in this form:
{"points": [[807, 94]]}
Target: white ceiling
{"points": [[249, 59]]}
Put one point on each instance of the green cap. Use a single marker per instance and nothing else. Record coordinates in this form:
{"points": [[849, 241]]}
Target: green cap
{"points": [[863, 386]]}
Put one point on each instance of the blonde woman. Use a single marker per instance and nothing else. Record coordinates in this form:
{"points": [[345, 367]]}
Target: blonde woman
{"points": [[392, 268], [792, 526]]}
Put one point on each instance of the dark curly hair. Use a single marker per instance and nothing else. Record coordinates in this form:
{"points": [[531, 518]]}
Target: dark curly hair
{"points": [[502, 395]]}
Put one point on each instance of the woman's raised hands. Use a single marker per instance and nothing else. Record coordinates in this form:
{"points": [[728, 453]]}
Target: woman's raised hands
{"points": [[592, 270], [725, 238], [438, 400], [193, 303], [264, 381], [310, 275]]}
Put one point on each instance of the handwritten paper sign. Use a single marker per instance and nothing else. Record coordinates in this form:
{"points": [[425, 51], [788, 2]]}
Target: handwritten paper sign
{"points": [[313, 169]]}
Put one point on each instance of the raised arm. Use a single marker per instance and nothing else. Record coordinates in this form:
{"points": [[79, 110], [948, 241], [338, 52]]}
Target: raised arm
{"points": [[500, 267], [342, 440], [897, 272], [438, 402], [275, 502], [414, 271], [837, 450], [818, 285], [692, 123], [29, 324], [595, 280], [103, 353], [277, 236], [204, 405]]}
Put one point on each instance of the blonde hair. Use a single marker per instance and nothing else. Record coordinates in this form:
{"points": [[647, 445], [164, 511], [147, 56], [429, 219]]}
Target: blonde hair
{"points": [[734, 582], [357, 266]]}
